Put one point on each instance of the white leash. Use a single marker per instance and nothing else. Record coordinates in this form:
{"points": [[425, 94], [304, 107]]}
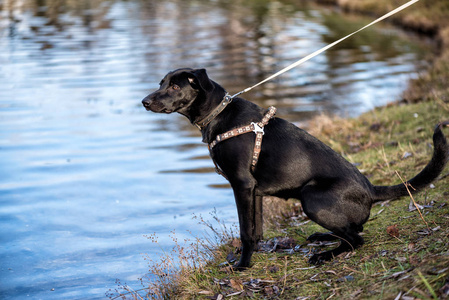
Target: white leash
{"points": [[326, 47]]}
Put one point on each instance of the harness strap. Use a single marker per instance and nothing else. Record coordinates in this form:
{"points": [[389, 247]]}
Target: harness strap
{"points": [[257, 128]]}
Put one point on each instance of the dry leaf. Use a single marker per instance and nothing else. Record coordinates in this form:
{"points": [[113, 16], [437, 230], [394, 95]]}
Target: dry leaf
{"points": [[346, 278], [236, 243], [413, 260], [393, 231], [356, 293], [273, 269], [271, 290], [436, 228], [205, 293], [425, 231], [227, 269], [407, 155], [397, 274], [444, 291], [286, 243], [231, 258], [217, 297], [234, 294], [236, 284], [412, 206], [268, 290]]}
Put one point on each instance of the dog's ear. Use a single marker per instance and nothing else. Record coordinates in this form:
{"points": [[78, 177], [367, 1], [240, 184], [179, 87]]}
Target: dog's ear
{"points": [[198, 78]]}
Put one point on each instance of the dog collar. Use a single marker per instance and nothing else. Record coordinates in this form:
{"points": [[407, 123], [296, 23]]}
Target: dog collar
{"points": [[203, 123]]}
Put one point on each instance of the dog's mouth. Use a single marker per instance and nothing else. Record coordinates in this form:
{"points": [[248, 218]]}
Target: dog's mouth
{"points": [[166, 111], [156, 107]]}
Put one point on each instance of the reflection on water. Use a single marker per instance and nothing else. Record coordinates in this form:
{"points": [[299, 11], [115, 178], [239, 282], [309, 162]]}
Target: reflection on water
{"points": [[86, 171]]}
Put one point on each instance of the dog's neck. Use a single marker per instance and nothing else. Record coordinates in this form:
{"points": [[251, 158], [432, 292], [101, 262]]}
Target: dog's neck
{"points": [[214, 113]]}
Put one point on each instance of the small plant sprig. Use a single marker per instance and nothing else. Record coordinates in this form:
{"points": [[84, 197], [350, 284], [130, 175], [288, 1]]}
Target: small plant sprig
{"points": [[173, 270]]}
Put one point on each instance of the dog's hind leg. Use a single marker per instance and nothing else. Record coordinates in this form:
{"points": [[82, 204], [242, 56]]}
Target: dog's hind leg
{"points": [[327, 236], [340, 207], [322, 237], [350, 240]]}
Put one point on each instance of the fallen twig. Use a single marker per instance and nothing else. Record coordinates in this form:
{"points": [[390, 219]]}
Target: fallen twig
{"points": [[411, 196]]}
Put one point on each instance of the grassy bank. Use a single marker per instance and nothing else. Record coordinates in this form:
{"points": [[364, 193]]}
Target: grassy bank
{"points": [[406, 253]]}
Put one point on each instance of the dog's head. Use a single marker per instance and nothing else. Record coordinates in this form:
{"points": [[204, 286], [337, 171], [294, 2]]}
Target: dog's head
{"points": [[178, 90]]}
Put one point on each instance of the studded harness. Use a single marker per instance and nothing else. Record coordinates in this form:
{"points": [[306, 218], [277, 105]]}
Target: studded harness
{"points": [[257, 128]]}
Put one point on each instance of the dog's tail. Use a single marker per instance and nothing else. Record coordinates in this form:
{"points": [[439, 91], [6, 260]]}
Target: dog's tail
{"points": [[426, 176]]}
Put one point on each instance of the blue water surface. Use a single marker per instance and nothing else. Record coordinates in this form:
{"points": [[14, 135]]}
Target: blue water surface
{"points": [[86, 173]]}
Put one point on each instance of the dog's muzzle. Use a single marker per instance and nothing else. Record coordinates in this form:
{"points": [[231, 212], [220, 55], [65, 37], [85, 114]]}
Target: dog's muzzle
{"points": [[155, 106]]}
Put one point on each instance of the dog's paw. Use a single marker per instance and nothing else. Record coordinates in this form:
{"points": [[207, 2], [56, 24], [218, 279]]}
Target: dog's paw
{"points": [[322, 237], [316, 260], [317, 236], [240, 266], [320, 258]]}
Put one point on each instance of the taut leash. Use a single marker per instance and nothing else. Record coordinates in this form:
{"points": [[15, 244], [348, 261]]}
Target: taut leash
{"points": [[297, 63], [257, 128]]}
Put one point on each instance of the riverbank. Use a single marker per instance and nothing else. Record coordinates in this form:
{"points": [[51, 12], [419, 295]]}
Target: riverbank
{"points": [[406, 253], [428, 17]]}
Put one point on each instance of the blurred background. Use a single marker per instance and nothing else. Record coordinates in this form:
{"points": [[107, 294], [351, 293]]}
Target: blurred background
{"points": [[86, 172]]}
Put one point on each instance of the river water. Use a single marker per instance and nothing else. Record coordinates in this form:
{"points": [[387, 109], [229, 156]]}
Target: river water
{"points": [[86, 172]]}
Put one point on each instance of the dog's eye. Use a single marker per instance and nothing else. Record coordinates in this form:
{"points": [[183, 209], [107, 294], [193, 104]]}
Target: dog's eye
{"points": [[175, 87]]}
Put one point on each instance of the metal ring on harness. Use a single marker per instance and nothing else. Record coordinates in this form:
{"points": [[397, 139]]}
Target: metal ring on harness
{"points": [[257, 128]]}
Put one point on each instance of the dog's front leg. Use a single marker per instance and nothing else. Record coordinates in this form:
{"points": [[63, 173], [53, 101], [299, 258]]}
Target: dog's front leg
{"points": [[258, 218], [249, 211]]}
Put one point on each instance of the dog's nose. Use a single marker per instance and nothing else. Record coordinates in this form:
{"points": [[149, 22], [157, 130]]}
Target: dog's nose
{"points": [[146, 103]]}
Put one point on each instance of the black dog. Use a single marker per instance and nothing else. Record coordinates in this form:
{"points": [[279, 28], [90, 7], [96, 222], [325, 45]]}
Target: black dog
{"points": [[292, 164]]}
